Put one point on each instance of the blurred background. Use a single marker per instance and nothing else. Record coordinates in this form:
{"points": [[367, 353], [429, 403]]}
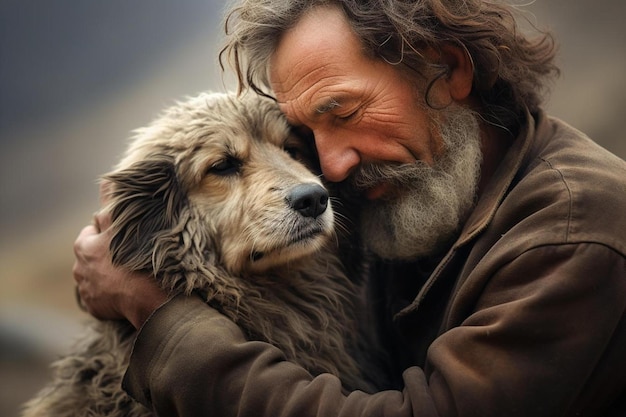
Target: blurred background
{"points": [[77, 76]]}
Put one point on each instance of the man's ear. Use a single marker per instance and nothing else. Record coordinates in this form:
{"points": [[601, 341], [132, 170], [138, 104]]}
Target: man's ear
{"points": [[461, 71], [456, 84], [453, 77], [146, 200]]}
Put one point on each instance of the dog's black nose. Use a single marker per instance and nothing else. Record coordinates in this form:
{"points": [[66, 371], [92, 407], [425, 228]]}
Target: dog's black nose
{"points": [[310, 200]]}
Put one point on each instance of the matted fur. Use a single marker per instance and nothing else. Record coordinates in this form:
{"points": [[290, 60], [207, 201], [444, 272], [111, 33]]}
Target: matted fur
{"points": [[203, 200]]}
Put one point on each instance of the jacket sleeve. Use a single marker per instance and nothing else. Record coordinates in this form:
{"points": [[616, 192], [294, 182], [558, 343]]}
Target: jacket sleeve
{"points": [[541, 327], [189, 360]]}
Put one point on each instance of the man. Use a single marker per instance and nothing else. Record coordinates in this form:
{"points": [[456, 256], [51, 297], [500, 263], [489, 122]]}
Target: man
{"points": [[500, 233]]}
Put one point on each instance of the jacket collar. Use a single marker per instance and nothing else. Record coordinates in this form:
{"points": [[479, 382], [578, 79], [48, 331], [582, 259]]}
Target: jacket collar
{"points": [[499, 184], [486, 207]]}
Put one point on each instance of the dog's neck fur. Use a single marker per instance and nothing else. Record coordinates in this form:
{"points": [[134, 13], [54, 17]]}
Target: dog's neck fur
{"points": [[305, 316]]}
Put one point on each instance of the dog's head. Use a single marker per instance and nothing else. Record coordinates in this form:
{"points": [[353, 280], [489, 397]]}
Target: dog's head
{"points": [[217, 182]]}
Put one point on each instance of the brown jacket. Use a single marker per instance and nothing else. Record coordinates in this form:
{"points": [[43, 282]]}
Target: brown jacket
{"points": [[524, 316]]}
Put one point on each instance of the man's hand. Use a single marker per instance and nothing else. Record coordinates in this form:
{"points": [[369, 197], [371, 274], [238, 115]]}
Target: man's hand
{"points": [[106, 291]]}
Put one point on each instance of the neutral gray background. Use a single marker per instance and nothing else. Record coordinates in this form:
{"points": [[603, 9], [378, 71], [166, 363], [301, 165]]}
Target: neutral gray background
{"points": [[77, 76]]}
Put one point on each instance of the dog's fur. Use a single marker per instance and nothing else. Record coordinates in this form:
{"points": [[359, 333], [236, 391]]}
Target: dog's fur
{"points": [[204, 201]]}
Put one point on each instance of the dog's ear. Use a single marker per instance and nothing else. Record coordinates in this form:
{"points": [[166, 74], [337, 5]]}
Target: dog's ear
{"points": [[146, 200], [156, 230]]}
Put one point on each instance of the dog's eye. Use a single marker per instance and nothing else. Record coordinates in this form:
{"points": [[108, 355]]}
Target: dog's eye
{"points": [[226, 166]]}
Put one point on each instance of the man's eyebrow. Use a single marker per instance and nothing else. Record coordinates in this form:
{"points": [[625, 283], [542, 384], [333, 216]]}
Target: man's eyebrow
{"points": [[328, 105]]}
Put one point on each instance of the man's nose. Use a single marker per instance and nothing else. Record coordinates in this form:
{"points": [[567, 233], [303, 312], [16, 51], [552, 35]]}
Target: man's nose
{"points": [[337, 159]]}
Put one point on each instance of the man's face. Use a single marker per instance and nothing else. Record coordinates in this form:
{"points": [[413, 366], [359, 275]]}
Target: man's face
{"points": [[364, 112]]}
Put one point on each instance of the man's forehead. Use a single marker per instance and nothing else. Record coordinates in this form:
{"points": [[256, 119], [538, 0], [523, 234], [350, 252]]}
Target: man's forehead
{"points": [[319, 41]]}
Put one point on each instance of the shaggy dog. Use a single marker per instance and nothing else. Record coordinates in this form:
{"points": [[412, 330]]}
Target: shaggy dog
{"points": [[214, 197]]}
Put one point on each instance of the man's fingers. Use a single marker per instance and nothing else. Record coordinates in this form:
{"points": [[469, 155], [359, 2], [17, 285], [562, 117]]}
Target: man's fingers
{"points": [[102, 220], [88, 247], [77, 273], [79, 299], [90, 237], [86, 231]]}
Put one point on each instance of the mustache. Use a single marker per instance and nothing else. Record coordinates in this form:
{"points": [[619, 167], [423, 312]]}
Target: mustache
{"points": [[369, 175]]}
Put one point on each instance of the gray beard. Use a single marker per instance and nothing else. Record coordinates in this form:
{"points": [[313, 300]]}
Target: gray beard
{"points": [[434, 201]]}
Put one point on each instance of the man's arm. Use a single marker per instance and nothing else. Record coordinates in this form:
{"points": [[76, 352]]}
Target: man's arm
{"points": [[189, 360]]}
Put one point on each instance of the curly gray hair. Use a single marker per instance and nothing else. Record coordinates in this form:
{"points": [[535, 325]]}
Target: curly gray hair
{"points": [[512, 71]]}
